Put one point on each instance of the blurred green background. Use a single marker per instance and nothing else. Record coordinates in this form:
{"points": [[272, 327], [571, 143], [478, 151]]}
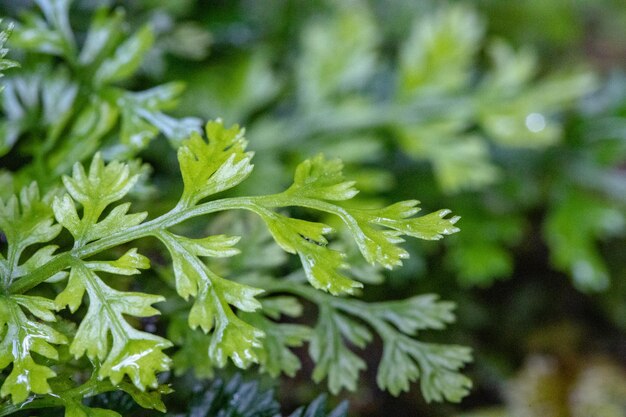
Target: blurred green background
{"points": [[511, 114]]}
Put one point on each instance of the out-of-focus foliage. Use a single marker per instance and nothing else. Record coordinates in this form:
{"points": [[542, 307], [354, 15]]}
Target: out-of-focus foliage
{"points": [[489, 124], [4, 63], [490, 108], [55, 230], [72, 96]]}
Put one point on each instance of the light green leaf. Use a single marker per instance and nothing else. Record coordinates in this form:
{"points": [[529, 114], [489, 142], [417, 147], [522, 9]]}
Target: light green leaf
{"points": [[210, 167], [193, 276], [405, 360], [432, 226], [140, 357], [377, 232], [333, 359], [28, 220], [231, 337], [235, 339], [150, 400], [438, 53], [26, 377], [127, 58], [117, 219], [24, 222], [216, 246], [128, 264], [40, 257], [379, 246], [142, 119], [104, 33], [415, 313], [40, 307], [37, 37], [339, 55], [274, 307], [103, 185], [321, 179], [275, 356], [5, 63], [94, 121], [131, 352], [320, 263], [21, 337]]}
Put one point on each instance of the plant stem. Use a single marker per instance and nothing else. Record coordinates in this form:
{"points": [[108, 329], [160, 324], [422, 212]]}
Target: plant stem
{"points": [[176, 216]]}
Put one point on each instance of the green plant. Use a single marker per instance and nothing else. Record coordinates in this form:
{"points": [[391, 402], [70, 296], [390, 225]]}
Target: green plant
{"points": [[236, 317], [69, 101], [428, 100], [118, 350]]}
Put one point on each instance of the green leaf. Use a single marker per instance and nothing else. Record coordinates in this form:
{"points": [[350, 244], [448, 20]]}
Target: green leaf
{"points": [[438, 54], [36, 36], [57, 15], [275, 355], [191, 344], [320, 263], [321, 179], [460, 160], [142, 119], [333, 359], [131, 352], [127, 58], [5, 63], [22, 336], [28, 220], [415, 313], [231, 337], [24, 222], [193, 276], [217, 165], [103, 185], [104, 33], [150, 400], [405, 360], [235, 339], [573, 249], [379, 246], [339, 55], [93, 122]]}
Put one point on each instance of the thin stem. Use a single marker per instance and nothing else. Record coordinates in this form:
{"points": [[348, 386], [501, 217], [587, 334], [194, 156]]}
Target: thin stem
{"points": [[88, 389], [176, 216], [169, 219]]}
